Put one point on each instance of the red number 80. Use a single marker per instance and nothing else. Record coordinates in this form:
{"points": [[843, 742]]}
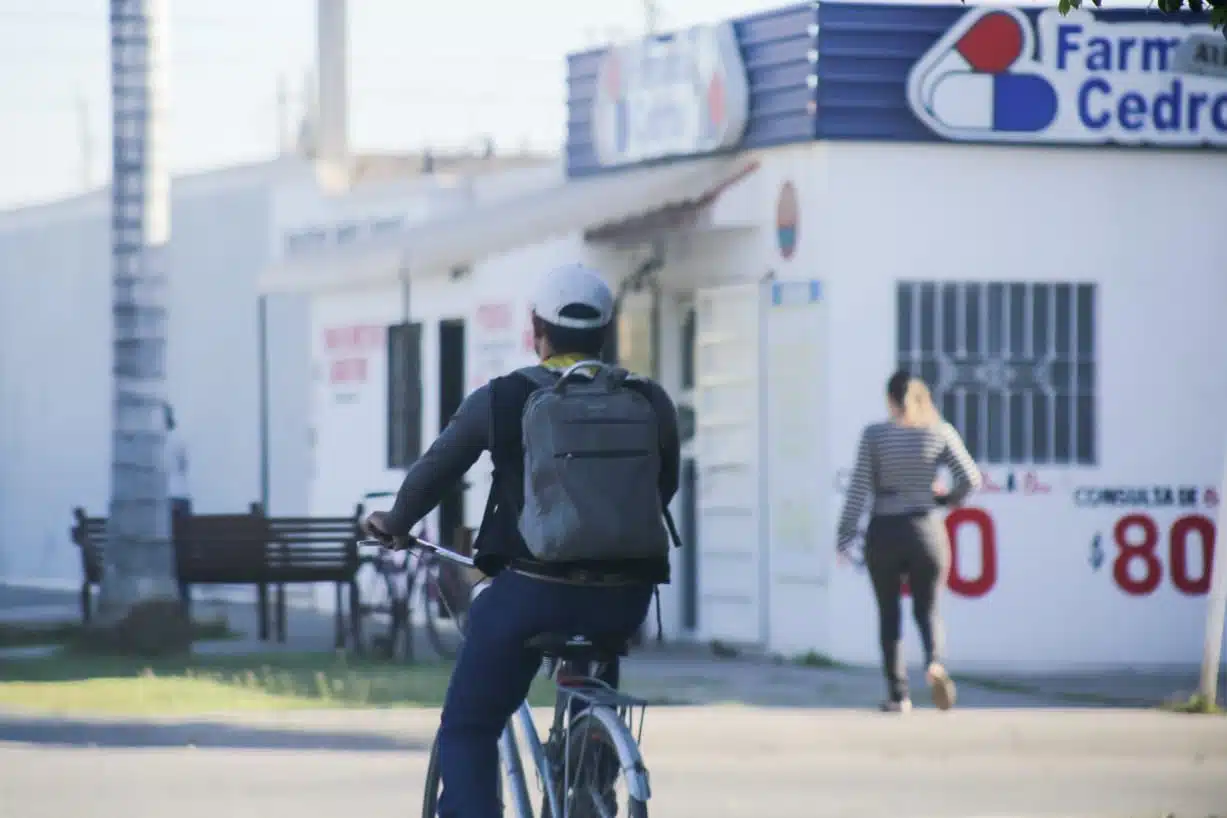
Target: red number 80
{"points": [[1130, 550]]}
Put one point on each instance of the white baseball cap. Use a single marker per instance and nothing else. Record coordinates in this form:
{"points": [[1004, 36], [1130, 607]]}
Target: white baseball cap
{"points": [[574, 285]]}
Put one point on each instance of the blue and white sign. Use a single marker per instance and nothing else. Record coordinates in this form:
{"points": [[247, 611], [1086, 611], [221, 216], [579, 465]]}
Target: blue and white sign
{"points": [[1090, 80], [678, 95]]}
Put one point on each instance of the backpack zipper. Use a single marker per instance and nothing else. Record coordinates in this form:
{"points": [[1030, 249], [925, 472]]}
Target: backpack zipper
{"points": [[607, 455]]}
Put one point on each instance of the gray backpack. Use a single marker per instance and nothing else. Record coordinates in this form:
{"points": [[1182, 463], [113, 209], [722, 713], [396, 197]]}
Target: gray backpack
{"points": [[591, 468]]}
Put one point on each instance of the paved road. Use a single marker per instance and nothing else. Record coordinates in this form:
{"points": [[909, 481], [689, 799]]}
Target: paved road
{"points": [[706, 762]]}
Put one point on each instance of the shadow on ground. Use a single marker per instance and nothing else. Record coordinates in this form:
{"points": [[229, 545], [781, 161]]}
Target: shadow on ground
{"points": [[138, 734]]}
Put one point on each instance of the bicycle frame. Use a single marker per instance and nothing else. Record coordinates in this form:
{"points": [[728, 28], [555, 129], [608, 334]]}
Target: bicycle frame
{"points": [[600, 702], [513, 765]]}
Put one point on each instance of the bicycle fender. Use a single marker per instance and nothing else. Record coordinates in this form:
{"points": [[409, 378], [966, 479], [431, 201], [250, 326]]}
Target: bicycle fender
{"points": [[629, 757]]}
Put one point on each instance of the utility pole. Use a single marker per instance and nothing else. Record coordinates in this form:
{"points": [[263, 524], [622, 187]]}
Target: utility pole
{"points": [[139, 601], [651, 17], [86, 143], [1216, 602]]}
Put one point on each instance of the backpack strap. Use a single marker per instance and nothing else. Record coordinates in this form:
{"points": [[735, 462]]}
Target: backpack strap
{"points": [[538, 376], [507, 396], [641, 386]]}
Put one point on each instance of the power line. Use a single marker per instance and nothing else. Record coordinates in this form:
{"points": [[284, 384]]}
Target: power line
{"points": [[197, 55], [102, 19], [66, 99]]}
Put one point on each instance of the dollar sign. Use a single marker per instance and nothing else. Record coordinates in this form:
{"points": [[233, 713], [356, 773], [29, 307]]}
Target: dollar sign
{"points": [[1097, 555]]}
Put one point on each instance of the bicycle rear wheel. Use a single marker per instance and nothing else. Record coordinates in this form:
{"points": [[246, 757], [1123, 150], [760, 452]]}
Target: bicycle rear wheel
{"points": [[446, 600], [599, 787]]}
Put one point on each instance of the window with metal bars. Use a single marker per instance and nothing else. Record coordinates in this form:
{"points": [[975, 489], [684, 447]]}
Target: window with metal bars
{"points": [[1011, 364], [404, 395]]}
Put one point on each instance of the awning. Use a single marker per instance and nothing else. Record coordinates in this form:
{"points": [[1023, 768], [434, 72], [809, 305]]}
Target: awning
{"points": [[467, 237]]}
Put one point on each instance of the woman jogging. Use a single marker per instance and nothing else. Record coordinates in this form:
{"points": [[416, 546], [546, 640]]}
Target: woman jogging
{"points": [[897, 463]]}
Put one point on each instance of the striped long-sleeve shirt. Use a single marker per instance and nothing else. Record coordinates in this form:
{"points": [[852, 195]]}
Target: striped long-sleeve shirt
{"points": [[898, 464]]}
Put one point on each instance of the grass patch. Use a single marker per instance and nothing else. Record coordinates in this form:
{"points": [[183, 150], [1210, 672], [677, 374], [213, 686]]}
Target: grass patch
{"points": [[73, 634], [1063, 696], [1196, 703], [75, 683], [815, 659], [996, 685]]}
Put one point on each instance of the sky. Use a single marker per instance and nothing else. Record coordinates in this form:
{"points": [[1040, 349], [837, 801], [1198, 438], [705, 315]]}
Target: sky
{"points": [[422, 73]]}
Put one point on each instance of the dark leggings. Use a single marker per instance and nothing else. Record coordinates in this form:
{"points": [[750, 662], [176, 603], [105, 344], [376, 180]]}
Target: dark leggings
{"points": [[913, 546]]}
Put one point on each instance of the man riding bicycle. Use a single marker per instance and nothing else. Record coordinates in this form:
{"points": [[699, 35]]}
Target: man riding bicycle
{"points": [[584, 458]]}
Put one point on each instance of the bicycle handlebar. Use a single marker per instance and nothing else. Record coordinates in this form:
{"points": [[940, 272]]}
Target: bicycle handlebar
{"points": [[412, 541]]}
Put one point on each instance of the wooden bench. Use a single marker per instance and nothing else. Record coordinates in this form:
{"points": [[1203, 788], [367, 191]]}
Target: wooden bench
{"points": [[89, 533], [223, 549], [317, 549], [247, 549]]}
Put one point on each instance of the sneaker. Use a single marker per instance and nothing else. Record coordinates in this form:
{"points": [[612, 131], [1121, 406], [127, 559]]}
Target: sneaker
{"points": [[941, 686], [900, 706]]}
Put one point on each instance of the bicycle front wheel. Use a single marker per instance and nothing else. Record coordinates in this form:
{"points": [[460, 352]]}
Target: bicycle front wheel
{"points": [[602, 752], [434, 784]]}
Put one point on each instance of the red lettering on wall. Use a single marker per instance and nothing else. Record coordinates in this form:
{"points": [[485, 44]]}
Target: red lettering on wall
{"points": [[364, 337], [347, 371], [962, 585], [979, 519], [494, 317]]}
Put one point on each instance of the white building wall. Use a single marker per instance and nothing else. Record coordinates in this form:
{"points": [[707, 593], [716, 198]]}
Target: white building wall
{"points": [[54, 382], [55, 353], [965, 213]]}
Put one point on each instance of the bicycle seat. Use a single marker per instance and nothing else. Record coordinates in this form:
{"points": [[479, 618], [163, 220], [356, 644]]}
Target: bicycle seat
{"points": [[578, 647]]}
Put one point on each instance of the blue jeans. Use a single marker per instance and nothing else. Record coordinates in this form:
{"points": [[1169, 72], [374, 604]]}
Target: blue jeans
{"points": [[495, 670]]}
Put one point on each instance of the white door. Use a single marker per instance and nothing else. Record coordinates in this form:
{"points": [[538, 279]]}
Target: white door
{"points": [[800, 530], [727, 410]]}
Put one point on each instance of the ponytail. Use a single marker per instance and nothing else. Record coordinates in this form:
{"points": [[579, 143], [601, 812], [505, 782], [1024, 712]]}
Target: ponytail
{"points": [[912, 398], [917, 404]]}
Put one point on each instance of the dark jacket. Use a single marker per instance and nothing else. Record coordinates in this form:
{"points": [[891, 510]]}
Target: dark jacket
{"points": [[489, 420]]}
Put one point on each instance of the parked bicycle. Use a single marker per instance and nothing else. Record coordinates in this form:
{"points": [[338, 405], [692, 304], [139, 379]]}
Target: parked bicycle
{"points": [[393, 585], [589, 762], [382, 579]]}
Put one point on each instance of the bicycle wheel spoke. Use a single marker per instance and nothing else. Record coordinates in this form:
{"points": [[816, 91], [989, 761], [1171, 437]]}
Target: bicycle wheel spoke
{"points": [[597, 787]]}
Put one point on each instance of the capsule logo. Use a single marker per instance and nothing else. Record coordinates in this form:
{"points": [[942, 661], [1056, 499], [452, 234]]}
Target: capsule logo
{"points": [[786, 218], [1082, 78]]}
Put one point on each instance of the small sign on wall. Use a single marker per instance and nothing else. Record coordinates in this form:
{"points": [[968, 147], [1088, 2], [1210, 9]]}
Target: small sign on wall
{"points": [[347, 353]]}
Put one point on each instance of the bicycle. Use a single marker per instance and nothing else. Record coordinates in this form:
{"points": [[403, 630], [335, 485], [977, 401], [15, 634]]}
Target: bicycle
{"points": [[445, 598], [389, 581], [588, 715], [382, 577]]}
